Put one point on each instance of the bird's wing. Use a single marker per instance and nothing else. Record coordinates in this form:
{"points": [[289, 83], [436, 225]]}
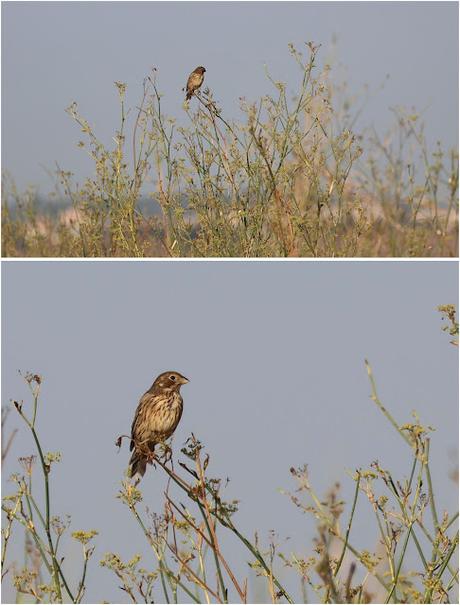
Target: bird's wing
{"points": [[194, 81], [139, 416]]}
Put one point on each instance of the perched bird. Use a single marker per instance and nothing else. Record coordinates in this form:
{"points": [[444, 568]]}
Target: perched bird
{"points": [[156, 419], [195, 80]]}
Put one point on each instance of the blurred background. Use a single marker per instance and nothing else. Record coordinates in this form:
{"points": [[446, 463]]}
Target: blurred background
{"points": [[55, 53], [275, 355]]}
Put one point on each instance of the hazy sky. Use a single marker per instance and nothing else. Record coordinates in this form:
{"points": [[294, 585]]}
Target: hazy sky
{"points": [[55, 53], [275, 355]]}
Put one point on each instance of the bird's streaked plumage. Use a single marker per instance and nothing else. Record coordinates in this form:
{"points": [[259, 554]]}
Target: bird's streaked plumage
{"points": [[156, 418], [195, 80]]}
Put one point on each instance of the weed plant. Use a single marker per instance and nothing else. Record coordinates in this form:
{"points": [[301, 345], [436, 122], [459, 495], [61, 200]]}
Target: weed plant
{"points": [[188, 536], [290, 178]]}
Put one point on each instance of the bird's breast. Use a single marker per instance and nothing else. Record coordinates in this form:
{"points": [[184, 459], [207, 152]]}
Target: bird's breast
{"points": [[166, 415]]}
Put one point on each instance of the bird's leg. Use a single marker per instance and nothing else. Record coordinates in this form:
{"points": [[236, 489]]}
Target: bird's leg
{"points": [[150, 454]]}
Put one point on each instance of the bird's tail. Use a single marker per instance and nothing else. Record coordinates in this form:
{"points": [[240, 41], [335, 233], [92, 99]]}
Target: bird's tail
{"points": [[137, 464], [188, 96]]}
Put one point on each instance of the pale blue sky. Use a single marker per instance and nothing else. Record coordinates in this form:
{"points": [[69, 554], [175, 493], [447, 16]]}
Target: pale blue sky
{"points": [[275, 355], [55, 53]]}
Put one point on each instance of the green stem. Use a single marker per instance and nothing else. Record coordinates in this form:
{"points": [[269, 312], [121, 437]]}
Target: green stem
{"points": [[163, 567], [56, 567], [448, 557], [386, 541], [419, 548], [434, 546], [216, 558], [377, 401], [430, 487], [349, 526], [261, 560], [37, 510], [412, 473], [81, 588], [229, 525], [45, 468], [393, 588], [454, 518], [326, 518], [160, 559], [357, 554], [453, 580], [429, 592], [30, 499], [40, 546]]}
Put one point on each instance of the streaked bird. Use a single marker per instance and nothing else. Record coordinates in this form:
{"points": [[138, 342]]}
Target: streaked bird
{"points": [[195, 80], [156, 418]]}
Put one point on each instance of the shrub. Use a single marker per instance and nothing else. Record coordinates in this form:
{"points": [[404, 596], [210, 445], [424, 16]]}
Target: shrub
{"points": [[290, 178]]}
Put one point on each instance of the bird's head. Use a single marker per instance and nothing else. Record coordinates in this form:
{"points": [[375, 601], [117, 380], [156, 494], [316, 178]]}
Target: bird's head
{"points": [[171, 381], [200, 70]]}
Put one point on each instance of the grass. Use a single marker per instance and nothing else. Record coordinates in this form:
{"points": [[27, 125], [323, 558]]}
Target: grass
{"points": [[188, 537], [290, 178]]}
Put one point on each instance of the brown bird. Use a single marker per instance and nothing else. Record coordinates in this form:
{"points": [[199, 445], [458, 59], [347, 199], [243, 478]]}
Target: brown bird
{"points": [[156, 419], [195, 80]]}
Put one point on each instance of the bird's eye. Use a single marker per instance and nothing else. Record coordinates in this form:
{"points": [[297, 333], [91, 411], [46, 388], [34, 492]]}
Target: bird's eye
{"points": [[172, 377]]}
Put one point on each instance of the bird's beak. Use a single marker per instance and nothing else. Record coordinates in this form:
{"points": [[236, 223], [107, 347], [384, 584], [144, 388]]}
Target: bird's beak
{"points": [[185, 380]]}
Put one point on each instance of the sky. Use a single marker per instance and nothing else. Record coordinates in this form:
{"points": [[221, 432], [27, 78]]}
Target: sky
{"points": [[275, 356], [55, 53]]}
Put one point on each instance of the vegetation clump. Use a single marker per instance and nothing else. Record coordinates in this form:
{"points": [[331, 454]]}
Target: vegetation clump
{"points": [[291, 178]]}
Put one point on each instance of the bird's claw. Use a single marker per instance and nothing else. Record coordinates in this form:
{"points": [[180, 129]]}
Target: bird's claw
{"points": [[150, 458]]}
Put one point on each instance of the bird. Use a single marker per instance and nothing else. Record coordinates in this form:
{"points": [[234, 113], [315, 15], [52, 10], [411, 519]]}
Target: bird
{"points": [[195, 80], [156, 418]]}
